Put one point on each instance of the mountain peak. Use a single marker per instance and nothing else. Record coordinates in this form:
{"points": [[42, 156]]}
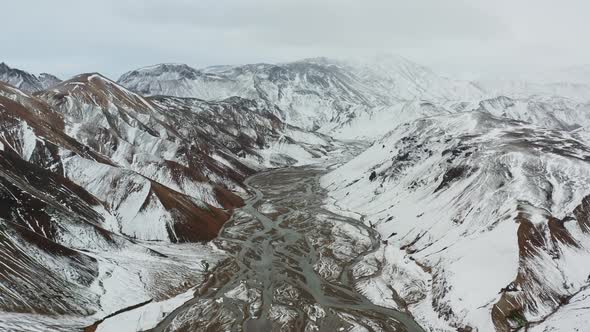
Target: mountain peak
{"points": [[25, 81], [166, 71], [167, 67], [96, 89], [322, 60]]}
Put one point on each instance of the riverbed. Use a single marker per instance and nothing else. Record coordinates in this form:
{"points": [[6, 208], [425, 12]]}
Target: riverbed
{"points": [[289, 266]]}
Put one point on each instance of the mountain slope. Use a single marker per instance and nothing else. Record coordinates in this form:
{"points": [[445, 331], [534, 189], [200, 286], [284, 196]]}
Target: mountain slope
{"points": [[42, 213], [128, 129], [39, 138], [242, 133], [484, 218], [307, 94], [557, 113], [396, 78], [96, 212]]}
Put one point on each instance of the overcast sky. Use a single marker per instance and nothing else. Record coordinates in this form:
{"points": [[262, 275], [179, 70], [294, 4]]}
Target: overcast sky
{"points": [[454, 37]]}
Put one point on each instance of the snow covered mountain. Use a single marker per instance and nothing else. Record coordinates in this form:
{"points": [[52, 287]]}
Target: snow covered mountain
{"points": [[397, 78], [146, 158], [177, 129], [481, 199], [140, 206], [47, 81], [25, 81], [485, 220], [309, 93], [550, 112]]}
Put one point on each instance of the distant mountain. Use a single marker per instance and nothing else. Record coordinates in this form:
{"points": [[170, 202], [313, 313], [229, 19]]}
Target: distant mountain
{"points": [[530, 88], [570, 82], [309, 93], [556, 112], [25, 81], [47, 80]]}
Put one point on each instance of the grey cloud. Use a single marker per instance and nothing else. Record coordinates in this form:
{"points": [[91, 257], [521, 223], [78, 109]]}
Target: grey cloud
{"points": [[67, 37], [328, 23]]}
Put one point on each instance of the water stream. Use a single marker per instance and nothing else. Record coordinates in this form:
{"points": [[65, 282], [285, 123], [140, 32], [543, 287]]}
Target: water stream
{"points": [[289, 267]]}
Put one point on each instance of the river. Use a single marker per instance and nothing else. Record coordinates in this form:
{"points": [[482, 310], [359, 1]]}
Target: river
{"points": [[289, 266]]}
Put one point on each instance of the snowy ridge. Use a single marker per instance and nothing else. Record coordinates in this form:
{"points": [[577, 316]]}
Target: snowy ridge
{"points": [[521, 89]]}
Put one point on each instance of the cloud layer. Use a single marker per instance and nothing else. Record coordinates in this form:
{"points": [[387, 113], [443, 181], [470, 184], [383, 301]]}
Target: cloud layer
{"points": [[66, 37]]}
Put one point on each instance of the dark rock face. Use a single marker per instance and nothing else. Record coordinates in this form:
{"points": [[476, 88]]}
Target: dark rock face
{"points": [[452, 174], [373, 176]]}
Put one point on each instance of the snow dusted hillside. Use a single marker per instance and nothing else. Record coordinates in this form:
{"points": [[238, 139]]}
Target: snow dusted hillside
{"points": [[243, 128], [485, 221], [396, 78], [151, 177], [66, 251], [148, 160], [176, 80], [550, 112], [309, 93], [362, 98], [376, 122]]}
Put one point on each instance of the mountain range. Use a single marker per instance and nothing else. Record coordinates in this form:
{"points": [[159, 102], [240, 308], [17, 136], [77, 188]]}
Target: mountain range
{"points": [[479, 190]]}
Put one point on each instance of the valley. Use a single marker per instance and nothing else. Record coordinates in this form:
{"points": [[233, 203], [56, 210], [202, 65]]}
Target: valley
{"points": [[314, 195], [290, 264]]}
